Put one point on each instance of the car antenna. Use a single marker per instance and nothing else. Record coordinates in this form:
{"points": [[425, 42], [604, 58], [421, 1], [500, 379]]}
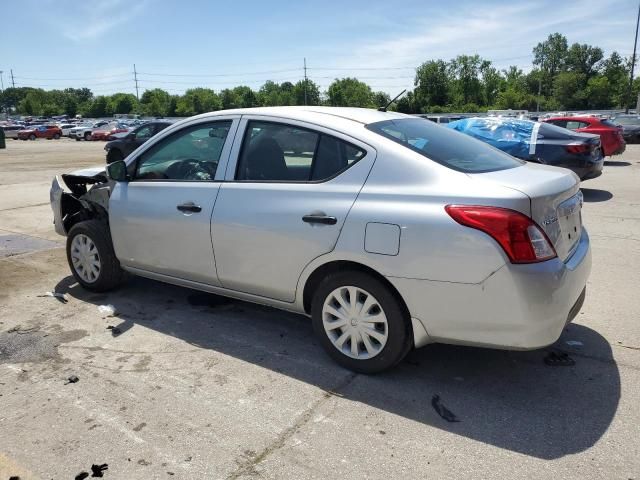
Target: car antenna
{"points": [[384, 109]]}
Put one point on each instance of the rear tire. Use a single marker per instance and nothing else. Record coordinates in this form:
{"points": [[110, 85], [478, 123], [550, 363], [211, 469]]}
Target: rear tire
{"points": [[56, 136], [382, 334], [91, 257], [78, 139], [87, 136], [32, 137]]}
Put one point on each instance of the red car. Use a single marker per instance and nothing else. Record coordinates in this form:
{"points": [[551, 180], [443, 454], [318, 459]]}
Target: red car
{"points": [[610, 133], [40, 131], [108, 130]]}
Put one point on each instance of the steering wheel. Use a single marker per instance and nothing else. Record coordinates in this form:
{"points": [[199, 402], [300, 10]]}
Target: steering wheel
{"points": [[190, 169]]}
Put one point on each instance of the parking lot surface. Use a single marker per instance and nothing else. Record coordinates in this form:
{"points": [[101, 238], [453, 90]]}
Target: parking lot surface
{"points": [[192, 385]]}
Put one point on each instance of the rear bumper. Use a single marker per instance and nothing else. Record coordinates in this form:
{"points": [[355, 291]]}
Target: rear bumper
{"points": [[518, 307], [620, 149]]}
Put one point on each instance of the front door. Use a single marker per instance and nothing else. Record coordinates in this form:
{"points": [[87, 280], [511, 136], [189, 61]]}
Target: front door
{"points": [[283, 203], [161, 219]]}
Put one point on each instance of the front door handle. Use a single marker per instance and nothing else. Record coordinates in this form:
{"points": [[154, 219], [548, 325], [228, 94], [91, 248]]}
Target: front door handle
{"points": [[322, 219], [189, 207]]}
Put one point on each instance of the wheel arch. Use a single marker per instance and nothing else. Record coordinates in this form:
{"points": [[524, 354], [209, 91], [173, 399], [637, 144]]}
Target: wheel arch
{"points": [[334, 266]]}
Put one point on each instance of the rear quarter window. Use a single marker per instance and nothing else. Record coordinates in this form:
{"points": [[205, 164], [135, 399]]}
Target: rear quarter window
{"points": [[447, 147]]}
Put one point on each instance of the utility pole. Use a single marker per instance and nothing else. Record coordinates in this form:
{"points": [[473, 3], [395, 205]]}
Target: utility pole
{"points": [[633, 63], [135, 78], [13, 83], [305, 80], [1, 82]]}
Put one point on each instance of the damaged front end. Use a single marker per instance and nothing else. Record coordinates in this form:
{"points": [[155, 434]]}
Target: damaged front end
{"points": [[87, 198]]}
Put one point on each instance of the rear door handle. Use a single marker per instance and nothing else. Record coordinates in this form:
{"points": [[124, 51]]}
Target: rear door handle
{"points": [[322, 219], [189, 207]]}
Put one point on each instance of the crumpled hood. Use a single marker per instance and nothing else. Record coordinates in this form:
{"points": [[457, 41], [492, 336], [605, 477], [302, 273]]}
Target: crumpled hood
{"points": [[88, 172]]}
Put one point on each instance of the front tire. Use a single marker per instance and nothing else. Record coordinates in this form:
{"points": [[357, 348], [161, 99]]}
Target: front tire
{"points": [[87, 136], [360, 322], [56, 136], [114, 155], [32, 137], [91, 257]]}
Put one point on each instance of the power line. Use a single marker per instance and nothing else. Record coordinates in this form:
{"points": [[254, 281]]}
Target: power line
{"points": [[266, 72]]}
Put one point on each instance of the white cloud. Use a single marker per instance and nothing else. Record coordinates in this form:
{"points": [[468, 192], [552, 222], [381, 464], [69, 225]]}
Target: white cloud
{"points": [[93, 20]]}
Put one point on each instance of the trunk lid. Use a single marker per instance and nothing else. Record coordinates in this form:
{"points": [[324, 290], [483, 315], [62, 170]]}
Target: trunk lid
{"points": [[556, 200]]}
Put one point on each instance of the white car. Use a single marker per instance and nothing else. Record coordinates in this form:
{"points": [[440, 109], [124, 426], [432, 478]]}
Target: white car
{"points": [[66, 128], [389, 231], [85, 130]]}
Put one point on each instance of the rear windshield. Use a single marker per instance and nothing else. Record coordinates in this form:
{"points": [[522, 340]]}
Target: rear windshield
{"points": [[549, 130], [608, 123], [450, 148]]}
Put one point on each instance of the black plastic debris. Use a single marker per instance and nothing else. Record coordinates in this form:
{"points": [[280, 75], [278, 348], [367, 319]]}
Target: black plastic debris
{"points": [[115, 331], [559, 359], [96, 470], [81, 476], [72, 379], [443, 411], [15, 477]]}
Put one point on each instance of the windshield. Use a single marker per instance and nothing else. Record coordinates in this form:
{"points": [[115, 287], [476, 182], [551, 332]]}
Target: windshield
{"points": [[447, 147]]}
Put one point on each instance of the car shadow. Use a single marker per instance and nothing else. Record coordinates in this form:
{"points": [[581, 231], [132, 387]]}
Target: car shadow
{"points": [[596, 195], [511, 400], [616, 163]]}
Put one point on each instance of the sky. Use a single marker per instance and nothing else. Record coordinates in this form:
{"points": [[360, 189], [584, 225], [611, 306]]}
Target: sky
{"points": [[177, 45]]}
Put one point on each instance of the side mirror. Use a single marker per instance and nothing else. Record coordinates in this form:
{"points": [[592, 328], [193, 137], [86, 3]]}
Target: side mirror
{"points": [[117, 171], [131, 136]]}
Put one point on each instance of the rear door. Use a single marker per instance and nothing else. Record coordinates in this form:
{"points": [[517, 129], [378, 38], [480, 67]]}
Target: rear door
{"points": [[160, 221], [288, 190]]}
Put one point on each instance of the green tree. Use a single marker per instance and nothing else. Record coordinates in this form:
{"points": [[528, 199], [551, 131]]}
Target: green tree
{"points": [[349, 92], [122, 103], [381, 99], [466, 84], [155, 103], [312, 92], [247, 98], [598, 92], [196, 101], [98, 107], [584, 59], [567, 90], [432, 82]]}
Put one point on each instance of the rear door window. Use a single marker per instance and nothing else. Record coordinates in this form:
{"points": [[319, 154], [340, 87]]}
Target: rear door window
{"points": [[575, 124], [277, 152], [448, 147]]}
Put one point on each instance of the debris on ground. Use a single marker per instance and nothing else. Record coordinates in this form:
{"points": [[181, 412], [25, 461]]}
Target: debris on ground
{"points": [[81, 476], [72, 379], [61, 297], [96, 470], [107, 310], [443, 411], [574, 343], [559, 359], [115, 331]]}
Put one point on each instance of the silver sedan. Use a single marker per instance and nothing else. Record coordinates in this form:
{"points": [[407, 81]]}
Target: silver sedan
{"points": [[389, 231]]}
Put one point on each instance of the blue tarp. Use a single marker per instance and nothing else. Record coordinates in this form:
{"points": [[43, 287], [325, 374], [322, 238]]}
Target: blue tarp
{"points": [[508, 134]]}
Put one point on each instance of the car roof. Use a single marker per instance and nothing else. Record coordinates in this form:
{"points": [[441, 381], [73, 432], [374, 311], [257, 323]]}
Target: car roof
{"points": [[586, 119], [315, 114]]}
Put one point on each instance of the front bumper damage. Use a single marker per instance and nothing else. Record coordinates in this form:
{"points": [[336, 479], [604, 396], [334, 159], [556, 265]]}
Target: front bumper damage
{"points": [[87, 197]]}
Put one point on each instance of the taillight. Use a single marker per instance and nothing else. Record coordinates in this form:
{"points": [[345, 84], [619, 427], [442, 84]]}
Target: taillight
{"points": [[520, 238], [580, 148]]}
